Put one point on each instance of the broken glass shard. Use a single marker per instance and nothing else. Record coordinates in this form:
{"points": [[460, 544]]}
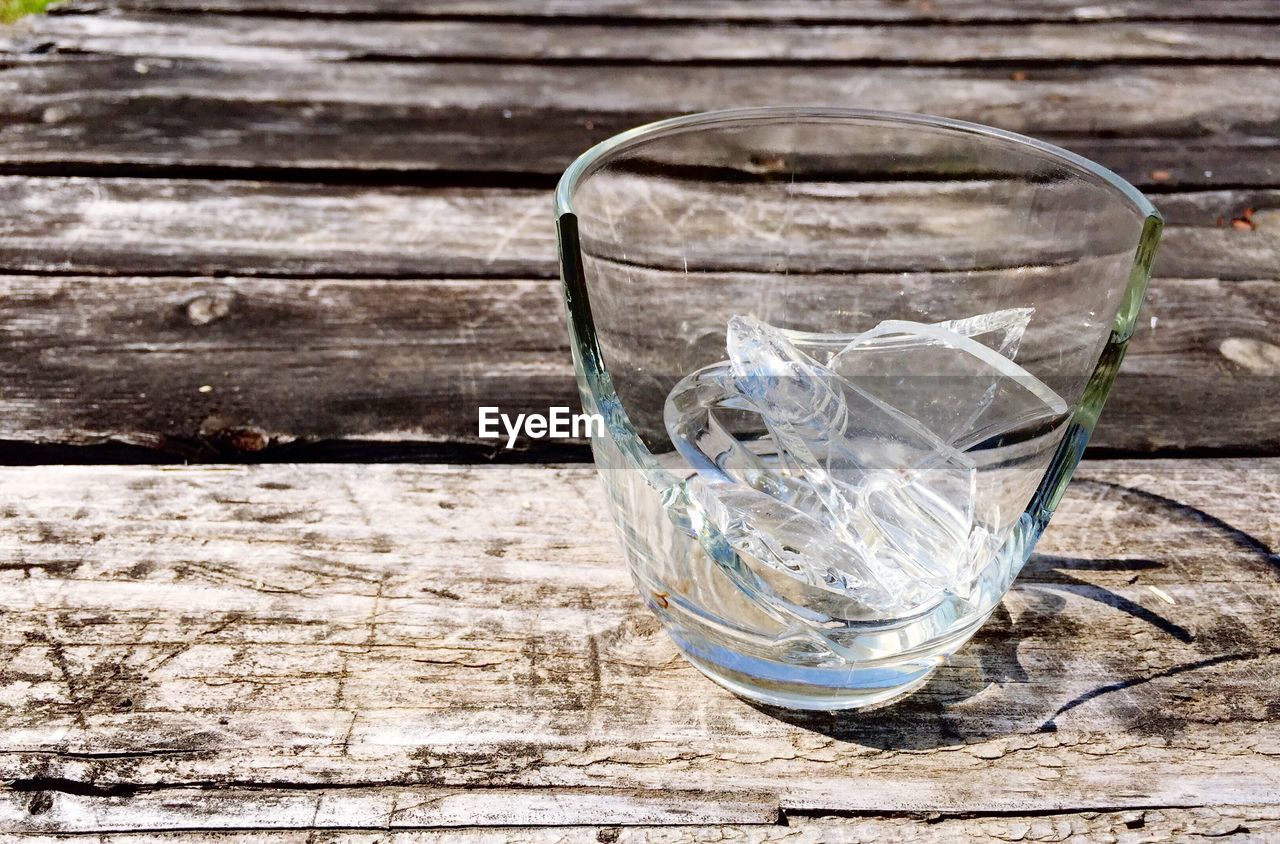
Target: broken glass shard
{"points": [[862, 486]]}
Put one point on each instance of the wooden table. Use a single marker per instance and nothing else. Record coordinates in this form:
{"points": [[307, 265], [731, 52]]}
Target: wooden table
{"points": [[297, 242]]}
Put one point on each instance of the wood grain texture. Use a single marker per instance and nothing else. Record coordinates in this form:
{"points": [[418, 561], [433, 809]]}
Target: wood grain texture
{"points": [[371, 646], [281, 359], [163, 226], [160, 226], [424, 653], [879, 10], [92, 359], [1135, 826], [276, 808], [120, 111], [376, 357], [261, 38]]}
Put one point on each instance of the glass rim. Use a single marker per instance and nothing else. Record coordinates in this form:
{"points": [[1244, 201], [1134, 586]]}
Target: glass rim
{"points": [[586, 163]]}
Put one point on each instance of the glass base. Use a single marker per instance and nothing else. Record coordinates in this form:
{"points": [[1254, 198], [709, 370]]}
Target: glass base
{"points": [[809, 688]]}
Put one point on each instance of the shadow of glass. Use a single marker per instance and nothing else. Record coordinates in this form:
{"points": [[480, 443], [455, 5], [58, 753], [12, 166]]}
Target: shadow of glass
{"points": [[985, 692], [933, 715]]}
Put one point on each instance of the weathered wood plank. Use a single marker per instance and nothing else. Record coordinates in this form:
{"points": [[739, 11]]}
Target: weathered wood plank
{"points": [[156, 226], [877, 10], [1137, 826], [86, 359], [410, 360], [183, 226], [393, 808], [1199, 124], [412, 629], [265, 39]]}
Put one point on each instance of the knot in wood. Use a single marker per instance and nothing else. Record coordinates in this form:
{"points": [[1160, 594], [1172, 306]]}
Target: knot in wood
{"points": [[246, 439], [207, 308]]}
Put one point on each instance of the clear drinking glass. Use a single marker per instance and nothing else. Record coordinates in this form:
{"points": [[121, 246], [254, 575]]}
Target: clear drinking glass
{"points": [[847, 363]]}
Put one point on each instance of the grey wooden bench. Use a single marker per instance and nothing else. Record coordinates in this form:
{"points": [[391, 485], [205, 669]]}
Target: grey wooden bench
{"points": [[294, 244]]}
